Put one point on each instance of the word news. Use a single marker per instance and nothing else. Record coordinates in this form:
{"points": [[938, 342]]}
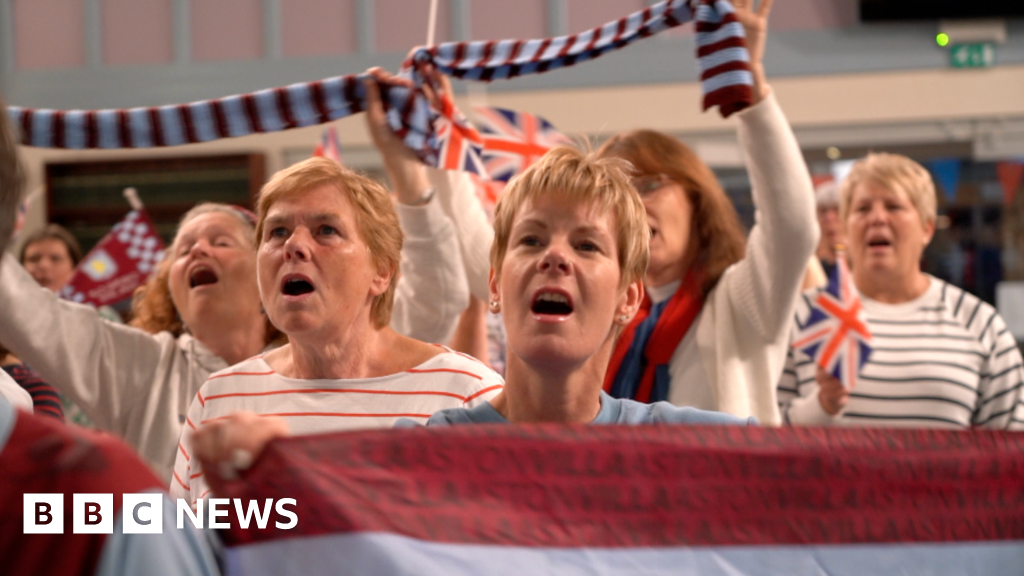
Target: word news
{"points": [[143, 513]]}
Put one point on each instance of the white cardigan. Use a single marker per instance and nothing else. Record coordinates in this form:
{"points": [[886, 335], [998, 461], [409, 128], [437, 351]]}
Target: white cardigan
{"points": [[738, 349], [139, 385]]}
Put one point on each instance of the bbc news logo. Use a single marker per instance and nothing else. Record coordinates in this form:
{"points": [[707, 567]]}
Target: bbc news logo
{"points": [[144, 513]]}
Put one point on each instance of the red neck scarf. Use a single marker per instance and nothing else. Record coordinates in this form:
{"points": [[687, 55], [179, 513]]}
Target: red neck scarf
{"points": [[668, 331]]}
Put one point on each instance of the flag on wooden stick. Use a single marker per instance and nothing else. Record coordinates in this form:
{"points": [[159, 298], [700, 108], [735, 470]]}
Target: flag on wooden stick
{"points": [[121, 262], [836, 334]]}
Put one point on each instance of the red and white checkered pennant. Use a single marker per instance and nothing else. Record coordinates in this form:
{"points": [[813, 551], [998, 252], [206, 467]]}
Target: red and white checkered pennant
{"points": [[121, 262]]}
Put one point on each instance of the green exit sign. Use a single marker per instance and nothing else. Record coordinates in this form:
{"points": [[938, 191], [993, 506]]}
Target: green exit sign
{"points": [[972, 55]]}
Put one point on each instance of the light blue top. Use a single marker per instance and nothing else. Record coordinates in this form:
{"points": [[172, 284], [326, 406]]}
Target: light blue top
{"points": [[173, 553], [613, 411]]}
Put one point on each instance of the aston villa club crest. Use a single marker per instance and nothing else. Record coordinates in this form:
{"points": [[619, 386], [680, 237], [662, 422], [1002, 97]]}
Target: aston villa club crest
{"points": [[100, 266]]}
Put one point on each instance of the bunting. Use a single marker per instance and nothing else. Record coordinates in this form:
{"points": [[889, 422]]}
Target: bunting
{"points": [[1010, 176], [947, 173]]}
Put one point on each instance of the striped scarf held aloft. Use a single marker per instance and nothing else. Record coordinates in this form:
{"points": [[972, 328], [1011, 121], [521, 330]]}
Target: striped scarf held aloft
{"points": [[725, 78]]}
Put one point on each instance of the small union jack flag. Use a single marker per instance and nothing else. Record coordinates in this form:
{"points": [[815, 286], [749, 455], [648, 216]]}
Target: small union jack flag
{"points": [[836, 334], [514, 140], [458, 144], [329, 146]]}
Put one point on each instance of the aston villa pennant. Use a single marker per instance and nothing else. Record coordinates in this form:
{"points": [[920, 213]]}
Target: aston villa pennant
{"points": [[121, 262]]}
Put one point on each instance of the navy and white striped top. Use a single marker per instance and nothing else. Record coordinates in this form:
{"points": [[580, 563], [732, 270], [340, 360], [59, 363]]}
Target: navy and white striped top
{"points": [[943, 360]]}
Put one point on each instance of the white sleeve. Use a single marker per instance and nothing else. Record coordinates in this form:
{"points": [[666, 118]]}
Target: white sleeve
{"points": [[432, 291], [105, 368], [457, 193], [16, 395], [785, 233]]}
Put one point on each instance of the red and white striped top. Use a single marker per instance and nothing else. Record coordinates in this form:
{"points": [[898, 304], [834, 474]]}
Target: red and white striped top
{"points": [[448, 380]]}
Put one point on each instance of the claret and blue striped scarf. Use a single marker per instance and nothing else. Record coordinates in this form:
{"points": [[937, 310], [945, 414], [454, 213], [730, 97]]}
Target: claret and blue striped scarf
{"points": [[725, 79]]}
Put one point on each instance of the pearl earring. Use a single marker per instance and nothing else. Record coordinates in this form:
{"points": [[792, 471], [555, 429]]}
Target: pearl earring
{"points": [[623, 318], [494, 304]]}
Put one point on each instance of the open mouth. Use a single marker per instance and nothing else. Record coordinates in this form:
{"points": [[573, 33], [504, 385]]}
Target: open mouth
{"points": [[296, 286], [554, 303], [878, 242], [654, 231], [202, 277]]}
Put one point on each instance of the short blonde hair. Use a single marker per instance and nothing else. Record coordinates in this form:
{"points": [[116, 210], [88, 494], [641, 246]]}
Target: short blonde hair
{"points": [[567, 172], [897, 173], [375, 216]]}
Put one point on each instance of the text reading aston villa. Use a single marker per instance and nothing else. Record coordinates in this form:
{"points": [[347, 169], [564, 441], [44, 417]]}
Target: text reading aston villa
{"points": [[144, 513]]}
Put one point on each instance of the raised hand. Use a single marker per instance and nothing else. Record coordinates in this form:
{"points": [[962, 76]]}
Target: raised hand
{"points": [[755, 26], [407, 174]]}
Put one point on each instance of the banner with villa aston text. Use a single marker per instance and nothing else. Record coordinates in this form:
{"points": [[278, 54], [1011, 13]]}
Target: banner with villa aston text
{"points": [[551, 499]]}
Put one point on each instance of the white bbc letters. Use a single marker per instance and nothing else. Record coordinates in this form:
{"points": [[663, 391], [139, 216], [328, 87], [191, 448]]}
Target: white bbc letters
{"points": [[281, 510], [143, 513], [217, 513], [184, 508]]}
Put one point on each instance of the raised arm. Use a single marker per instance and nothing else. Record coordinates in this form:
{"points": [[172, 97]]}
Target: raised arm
{"points": [[785, 234], [432, 289], [105, 368]]}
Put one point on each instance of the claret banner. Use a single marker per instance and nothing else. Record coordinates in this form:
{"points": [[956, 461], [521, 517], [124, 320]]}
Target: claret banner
{"points": [[552, 499]]}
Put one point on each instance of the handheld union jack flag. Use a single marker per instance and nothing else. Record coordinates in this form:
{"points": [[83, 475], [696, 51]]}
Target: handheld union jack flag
{"points": [[514, 140], [458, 144], [836, 334], [329, 146]]}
